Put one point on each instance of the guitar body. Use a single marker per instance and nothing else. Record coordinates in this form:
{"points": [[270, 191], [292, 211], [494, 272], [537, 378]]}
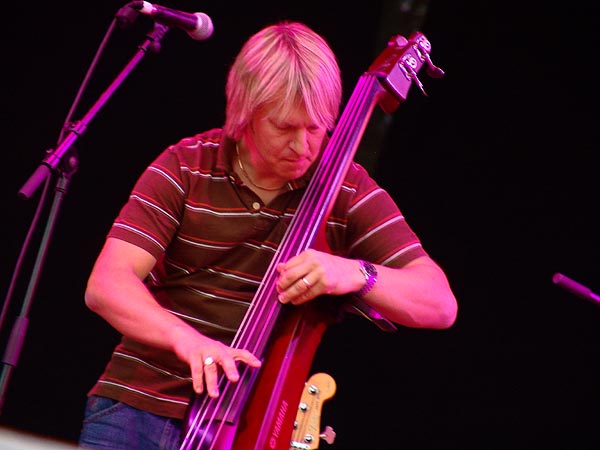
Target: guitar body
{"points": [[269, 422]]}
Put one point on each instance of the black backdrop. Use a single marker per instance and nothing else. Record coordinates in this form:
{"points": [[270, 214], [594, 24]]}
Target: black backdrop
{"points": [[495, 170]]}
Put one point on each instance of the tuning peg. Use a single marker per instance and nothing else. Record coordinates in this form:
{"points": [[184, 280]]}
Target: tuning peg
{"points": [[328, 435], [424, 50], [409, 63], [432, 70]]}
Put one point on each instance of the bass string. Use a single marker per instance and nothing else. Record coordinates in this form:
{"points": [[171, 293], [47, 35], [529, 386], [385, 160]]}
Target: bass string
{"points": [[264, 310]]}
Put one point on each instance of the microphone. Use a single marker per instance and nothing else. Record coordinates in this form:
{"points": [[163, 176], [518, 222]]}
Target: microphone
{"points": [[197, 25], [575, 288]]}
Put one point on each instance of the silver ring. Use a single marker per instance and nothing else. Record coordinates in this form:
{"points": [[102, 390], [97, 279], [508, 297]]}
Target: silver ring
{"points": [[307, 284], [208, 361]]}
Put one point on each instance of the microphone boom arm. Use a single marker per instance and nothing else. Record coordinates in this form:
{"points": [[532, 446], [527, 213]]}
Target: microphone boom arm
{"points": [[54, 157]]}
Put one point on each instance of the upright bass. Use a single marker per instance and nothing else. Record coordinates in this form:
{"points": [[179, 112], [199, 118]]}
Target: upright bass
{"points": [[258, 412]]}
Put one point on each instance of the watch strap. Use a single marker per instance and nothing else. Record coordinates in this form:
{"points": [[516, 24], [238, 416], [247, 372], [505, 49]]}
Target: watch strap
{"points": [[370, 273]]}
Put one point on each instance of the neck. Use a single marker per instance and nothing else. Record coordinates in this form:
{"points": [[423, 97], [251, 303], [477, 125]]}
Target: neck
{"points": [[249, 179]]}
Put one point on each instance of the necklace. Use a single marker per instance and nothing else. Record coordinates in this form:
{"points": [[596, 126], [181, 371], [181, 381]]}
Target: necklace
{"points": [[243, 169]]}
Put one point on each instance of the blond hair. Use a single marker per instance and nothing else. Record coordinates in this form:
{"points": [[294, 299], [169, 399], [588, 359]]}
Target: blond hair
{"points": [[285, 64]]}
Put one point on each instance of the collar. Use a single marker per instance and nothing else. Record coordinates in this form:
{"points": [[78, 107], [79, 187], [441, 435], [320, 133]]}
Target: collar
{"points": [[226, 157]]}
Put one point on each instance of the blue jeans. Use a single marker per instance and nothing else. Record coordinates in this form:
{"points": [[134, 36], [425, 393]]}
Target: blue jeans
{"points": [[109, 424]]}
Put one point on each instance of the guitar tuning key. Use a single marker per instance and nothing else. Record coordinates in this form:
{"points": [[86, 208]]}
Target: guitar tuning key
{"points": [[328, 435], [423, 47], [409, 63], [432, 70]]}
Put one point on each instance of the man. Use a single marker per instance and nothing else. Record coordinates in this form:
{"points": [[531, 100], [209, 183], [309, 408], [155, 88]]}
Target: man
{"points": [[190, 247]]}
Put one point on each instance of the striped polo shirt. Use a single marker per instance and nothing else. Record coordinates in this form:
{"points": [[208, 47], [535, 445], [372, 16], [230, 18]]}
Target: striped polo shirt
{"points": [[214, 239]]}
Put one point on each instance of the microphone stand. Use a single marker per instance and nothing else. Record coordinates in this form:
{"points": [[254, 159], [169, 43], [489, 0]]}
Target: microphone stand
{"points": [[64, 161]]}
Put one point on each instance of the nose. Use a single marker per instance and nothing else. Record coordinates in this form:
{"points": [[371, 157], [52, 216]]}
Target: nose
{"points": [[299, 141]]}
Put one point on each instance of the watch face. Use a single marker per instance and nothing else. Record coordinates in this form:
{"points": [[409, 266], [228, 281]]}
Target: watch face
{"points": [[370, 273], [370, 269]]}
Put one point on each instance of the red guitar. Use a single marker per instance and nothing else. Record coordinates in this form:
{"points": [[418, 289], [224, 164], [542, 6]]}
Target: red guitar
{"points": [[258, 412]]}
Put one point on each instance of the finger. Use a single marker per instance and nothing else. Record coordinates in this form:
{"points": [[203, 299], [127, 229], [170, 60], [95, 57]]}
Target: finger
{"points": [[197, 372], [296, 290], [208, 361], [303, 286], [306, 283], [248, 358], [294, 262], [301, 298], [230, 368], [287, 278], [210, 368], [291, 271]]}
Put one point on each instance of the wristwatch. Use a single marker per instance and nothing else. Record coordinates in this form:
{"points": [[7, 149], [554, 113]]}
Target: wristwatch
{"points": [[370, 273]]}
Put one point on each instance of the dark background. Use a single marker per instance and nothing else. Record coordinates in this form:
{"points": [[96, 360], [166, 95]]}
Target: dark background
{"points": [[495, 170]]}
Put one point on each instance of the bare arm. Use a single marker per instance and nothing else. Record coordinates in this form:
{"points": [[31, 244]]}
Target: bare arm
{"points": [[417, 295], [116, 291]]}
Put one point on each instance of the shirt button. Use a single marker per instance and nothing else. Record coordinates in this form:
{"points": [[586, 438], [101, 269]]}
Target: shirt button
{"points": [[256, 206]]}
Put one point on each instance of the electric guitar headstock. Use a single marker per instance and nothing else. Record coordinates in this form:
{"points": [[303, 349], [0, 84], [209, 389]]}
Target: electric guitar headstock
{"points": [[319, 388]]}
